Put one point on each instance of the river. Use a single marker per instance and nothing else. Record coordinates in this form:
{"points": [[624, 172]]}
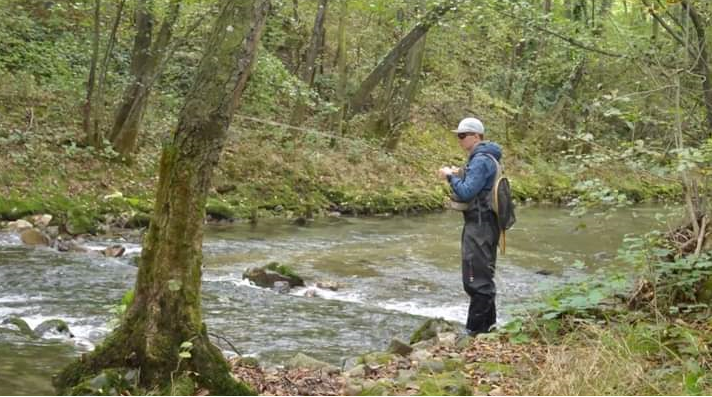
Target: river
{"points": [[395, 272]]}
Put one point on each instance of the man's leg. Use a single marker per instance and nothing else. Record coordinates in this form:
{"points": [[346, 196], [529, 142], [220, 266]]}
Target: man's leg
{"points": [[479, 254]]}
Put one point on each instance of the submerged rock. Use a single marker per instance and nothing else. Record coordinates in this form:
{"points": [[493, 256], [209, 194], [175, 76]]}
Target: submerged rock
{"points": [[266, 276], [114, 251], [53, 327], [281, 287], [34, 237], [18, 325], [330, 285]]}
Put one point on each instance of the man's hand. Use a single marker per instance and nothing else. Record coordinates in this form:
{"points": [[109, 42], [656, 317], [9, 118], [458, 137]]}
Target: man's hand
{"points": [[445, 171]]}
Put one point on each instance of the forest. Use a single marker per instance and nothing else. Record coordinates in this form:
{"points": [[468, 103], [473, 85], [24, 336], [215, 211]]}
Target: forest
{"points": [[162, 131]]}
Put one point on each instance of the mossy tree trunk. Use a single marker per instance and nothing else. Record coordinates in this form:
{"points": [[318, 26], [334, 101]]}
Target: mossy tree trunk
{"points": [[146, 57], [166, 310]]}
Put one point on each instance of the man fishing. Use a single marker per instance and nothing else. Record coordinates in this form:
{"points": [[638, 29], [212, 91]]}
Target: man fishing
{"points": [[471, 188]]}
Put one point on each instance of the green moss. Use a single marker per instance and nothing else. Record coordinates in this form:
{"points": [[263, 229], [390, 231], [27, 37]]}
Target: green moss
{"points": [[219, 210], [430, 328], [12, 209], [377, 358], [445, 384], [183, 386], [81, 221], [21, 325], [491, 367], [284, 270]]}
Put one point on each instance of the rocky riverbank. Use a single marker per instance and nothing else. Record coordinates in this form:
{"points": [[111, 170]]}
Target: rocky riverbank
{"points": [[436, 361]]}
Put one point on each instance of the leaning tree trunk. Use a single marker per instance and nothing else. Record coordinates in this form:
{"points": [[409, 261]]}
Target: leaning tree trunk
{"points": [[310, 64], [359, 98], [403, 95], [146, 57], [166, 311]]}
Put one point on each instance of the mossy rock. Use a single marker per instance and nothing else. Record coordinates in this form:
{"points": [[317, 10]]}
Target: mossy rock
{"points": [[286, 271], [431, 328], [54, 326], [376, 358], [445, 384], [265, 277], [217, 209], [19, 325], [301, 360]]}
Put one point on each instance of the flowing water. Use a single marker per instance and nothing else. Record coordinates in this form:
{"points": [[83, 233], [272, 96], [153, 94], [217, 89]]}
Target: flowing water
{"points": [[395, 272]]}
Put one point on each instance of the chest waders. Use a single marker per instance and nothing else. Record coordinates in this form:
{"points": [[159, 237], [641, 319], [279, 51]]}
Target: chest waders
{"points": [[480, 236]]}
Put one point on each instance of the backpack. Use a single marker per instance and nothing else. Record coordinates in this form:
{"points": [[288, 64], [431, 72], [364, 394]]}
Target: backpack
{"points": [[502, 203], [500, 199]]}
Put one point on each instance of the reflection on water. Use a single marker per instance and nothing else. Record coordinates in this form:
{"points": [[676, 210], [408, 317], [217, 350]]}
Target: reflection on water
{"points": [[394, 272]]}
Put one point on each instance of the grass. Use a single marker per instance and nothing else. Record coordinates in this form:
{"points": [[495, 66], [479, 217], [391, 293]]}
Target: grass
{"points": [[623, 360]]}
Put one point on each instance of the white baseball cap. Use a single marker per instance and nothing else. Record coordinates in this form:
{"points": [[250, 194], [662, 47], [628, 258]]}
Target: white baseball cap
{"points": [[470, 124]]}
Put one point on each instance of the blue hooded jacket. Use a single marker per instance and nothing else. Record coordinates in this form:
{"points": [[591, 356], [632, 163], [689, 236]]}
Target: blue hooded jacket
{"points": [[479, 173]]}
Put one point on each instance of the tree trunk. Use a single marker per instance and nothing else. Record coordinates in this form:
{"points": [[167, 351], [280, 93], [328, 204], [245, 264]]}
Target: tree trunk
{"points": [[702, 61], [145, 58], [359, 98], [99, 109], [398, 111], [310, 64], [91, 82], [337, 118], [568, 94], [166, 311], [531, 85]]}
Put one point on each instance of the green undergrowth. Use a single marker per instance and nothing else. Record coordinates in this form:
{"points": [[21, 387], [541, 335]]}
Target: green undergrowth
{"points": [[263, 172]]}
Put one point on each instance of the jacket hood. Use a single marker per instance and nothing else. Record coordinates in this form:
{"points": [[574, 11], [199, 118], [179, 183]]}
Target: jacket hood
{"points": [[490, 148]]}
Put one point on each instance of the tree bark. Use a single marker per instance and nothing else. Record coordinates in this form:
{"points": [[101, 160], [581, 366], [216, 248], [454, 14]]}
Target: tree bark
{"points": [[702, 61], [398, 111], [166, 310], [358, 100], [531, 84], [147, 54], [310, 63], [337, 118], [91, 82], [99, 109]]}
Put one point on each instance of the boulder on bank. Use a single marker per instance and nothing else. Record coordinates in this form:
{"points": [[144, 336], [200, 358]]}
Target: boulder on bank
{"points": [[19, 225], [41, 221], [34, 237], [431, 328], [267, 276], [301, 360], [53, 327], [397, 346]]}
